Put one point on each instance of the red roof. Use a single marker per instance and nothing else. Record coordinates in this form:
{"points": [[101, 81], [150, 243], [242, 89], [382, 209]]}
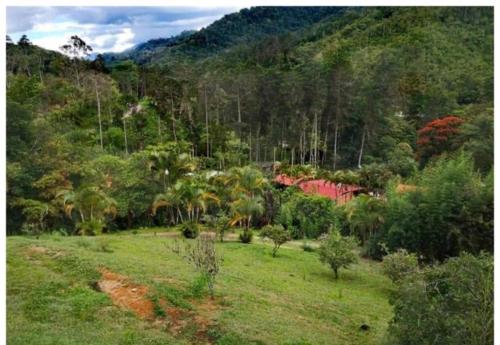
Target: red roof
{"points": [[321, 187]]}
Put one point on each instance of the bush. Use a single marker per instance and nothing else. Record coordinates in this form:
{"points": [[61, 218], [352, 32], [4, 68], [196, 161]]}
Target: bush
{"points": [[450, 303], [190, 229], [277, 234], [204, 257], [103, 245], [307, 247], [246, 236], [449, 210], [222, 225], [90, 227], [399, 264], [337, 251], [307, 215], [374, 247]]}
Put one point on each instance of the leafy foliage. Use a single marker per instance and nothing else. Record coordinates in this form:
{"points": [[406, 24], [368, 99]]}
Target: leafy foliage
{"points": [[306, 215], [277, 234], [337, 251], [399, 264], [452, 302]]}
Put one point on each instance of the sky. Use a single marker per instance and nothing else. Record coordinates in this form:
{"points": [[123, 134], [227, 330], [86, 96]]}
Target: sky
{"points": [[106, 29]]}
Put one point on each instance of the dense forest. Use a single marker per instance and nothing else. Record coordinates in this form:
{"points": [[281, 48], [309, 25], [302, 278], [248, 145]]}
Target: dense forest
{"points": [[191, 130]]}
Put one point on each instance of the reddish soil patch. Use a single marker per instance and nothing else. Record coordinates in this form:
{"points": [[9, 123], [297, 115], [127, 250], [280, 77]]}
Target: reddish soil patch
{"points": [[37, 250], [126, 295], [135, 297], [205, 317]]}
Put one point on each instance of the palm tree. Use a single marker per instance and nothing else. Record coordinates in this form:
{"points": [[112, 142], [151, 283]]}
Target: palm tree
{"points": [[244, 208], [247, 180], [188, 194], [89, 202], [365, 215], [168, 165]]}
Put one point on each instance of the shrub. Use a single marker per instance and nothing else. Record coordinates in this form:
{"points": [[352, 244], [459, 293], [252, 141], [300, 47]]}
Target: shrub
{"points": [[246, 236], [307, 215], [399, 264], [222, 225], [449, 210], [450, 303], [337, 251], [90, 227], [103, 245], [190, 229], [375, 248], [277, 234], [204, 257], [307, 247]]}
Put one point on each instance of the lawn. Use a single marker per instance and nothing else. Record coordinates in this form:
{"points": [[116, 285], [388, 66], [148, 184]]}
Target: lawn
{"points": [[291, 299]]}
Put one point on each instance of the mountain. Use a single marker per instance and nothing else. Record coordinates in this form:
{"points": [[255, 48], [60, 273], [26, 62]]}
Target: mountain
{"points": [[143, 52], [243, 27]]}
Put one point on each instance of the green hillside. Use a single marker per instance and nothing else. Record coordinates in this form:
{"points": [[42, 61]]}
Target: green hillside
{"points": [[340, 159]]}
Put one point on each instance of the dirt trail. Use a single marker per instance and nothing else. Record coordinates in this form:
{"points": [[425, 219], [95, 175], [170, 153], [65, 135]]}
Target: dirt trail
{"points": [[135, 297], [126, 295]]}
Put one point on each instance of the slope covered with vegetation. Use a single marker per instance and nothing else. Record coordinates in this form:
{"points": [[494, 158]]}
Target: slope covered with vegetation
{"points": [[190, 132], [291, 299]]}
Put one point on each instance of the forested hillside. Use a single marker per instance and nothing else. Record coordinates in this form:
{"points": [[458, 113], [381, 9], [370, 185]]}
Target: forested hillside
{"points": [[357, 76], [390, 108], [334, 88]]}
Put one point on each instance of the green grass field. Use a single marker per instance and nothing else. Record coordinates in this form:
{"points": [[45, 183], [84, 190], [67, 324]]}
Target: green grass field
{"points": [[291, 299]]}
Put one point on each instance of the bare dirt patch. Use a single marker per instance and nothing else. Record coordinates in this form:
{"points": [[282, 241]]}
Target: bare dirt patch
{"points": [[33, 250], [179, 321], [126, 295]]}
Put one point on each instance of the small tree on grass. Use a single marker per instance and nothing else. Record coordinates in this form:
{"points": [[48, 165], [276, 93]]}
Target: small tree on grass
{"points": [[222, 225], [399, 264], [277, 234], [203, 256], [337, 251]]}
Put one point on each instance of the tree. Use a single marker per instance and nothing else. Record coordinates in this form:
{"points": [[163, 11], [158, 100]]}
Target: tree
{"points": [[24, 41], [189, 194], [222, 224], [243, 209], [277, 234], [399, 264], [337, 251], [438, 136], [448, 210], [306, 215], [91, 205], [365, 215], [77, 49], [478, 138], [451, 303], [247, 180], [35, 213]]}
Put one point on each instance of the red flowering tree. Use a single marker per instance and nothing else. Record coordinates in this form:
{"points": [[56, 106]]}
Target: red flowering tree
{"points": [[438, 136]]}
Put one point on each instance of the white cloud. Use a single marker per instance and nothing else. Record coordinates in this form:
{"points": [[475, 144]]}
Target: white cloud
{"points": [[106, 29]]}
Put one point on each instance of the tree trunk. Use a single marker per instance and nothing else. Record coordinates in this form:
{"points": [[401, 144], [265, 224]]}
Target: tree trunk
{"points": [[250, 145], [173, 117], [125, 135], [77, 75], [362, 147], [206, 121], [98, 111], [335, 144], [159, 129]]}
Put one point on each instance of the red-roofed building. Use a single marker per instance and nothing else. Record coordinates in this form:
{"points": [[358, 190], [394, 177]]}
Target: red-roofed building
{"points": [[340, 193]]}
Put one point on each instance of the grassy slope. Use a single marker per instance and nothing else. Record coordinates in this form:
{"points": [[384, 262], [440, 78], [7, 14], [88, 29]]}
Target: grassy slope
{"points": [[292, 299]]}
